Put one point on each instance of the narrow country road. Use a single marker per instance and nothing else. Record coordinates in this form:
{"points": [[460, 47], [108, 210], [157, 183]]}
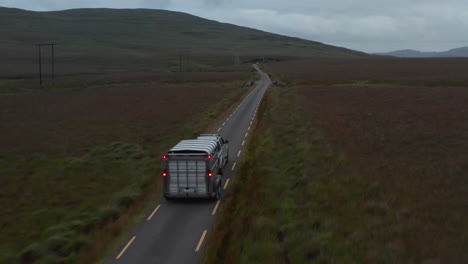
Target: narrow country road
{"points": [[176, 231]]}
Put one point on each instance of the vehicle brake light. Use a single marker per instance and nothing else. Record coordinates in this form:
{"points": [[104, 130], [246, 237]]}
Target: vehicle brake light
{"points": [[210, 174], [164, 157], [164, 174], [209, 156]]}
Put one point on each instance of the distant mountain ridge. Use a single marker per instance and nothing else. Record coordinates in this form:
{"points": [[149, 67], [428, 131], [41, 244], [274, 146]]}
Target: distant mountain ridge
{"points": [[408, 53]]}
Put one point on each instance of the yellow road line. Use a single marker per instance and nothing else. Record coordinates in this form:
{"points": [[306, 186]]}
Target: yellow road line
{"points": [[126, 247], [233, 166], [238, 153], [151, 215], [201, 240], [216, 207], [226, 184], [248, 128], [219, 129], [251, 122], [246, 134], [223, 123]]}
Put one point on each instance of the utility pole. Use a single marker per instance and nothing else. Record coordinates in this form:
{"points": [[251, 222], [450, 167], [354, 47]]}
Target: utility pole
{"points": [[180, 62], [237, 60], [53, 62], [40, 66], [40, 60]]}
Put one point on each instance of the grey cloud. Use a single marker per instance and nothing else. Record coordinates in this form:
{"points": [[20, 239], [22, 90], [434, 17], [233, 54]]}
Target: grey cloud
{"points": [[215, 3], [366, 25]]}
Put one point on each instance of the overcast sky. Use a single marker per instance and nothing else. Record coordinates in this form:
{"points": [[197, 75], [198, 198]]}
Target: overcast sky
{"points": [[365, 25]]}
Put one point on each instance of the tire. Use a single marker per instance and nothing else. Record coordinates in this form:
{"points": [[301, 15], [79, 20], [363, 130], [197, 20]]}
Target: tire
{"points": [[218, 193]]}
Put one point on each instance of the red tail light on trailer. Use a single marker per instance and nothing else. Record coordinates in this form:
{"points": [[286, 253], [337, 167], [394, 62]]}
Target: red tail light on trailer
{"points": [[164, 157], [164, 173], [210, 174], [209, 157]]}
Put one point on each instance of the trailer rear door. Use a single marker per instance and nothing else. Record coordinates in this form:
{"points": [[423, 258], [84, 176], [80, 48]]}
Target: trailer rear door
{"points": [[187, 176]]}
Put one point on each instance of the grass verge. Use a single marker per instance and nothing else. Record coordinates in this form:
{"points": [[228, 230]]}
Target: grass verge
{"points": [[268, 215]]}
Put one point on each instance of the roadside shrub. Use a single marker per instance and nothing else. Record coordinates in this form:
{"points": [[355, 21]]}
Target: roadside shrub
{"points": [[78, 225], [108, 212], [32, 253], [126, 197], [56, 229], [60, 244]]}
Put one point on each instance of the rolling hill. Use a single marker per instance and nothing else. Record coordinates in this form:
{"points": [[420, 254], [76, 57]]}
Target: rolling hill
{"points": [[453, 53], [139, 38]]}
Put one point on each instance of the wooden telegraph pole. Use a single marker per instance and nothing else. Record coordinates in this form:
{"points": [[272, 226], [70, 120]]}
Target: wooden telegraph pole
{"points": [[53, 62], [40, 60]]}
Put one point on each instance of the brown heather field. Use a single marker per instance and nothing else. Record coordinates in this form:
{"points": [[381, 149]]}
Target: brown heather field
{"points": [[408, 147], [376, 70], [354, 161], [402, 128], [76, 155], [125, 108]]}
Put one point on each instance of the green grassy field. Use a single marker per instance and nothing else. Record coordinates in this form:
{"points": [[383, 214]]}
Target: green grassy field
{"points": [[352, 161], [79, 164]]}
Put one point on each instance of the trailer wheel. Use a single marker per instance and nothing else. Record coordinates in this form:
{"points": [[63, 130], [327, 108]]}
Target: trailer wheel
{"points": [[168, 198], [218, 192]]}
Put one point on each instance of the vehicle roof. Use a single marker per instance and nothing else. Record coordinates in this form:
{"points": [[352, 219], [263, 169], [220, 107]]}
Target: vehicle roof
{"points": [[209, 137], [217, 136], [204, 144]]}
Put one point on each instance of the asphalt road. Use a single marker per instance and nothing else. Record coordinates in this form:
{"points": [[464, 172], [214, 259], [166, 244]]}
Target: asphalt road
{"points": [[177, 231]]}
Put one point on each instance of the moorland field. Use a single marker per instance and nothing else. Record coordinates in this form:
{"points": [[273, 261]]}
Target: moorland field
{"points": [[75, 159], [353, 161]]}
